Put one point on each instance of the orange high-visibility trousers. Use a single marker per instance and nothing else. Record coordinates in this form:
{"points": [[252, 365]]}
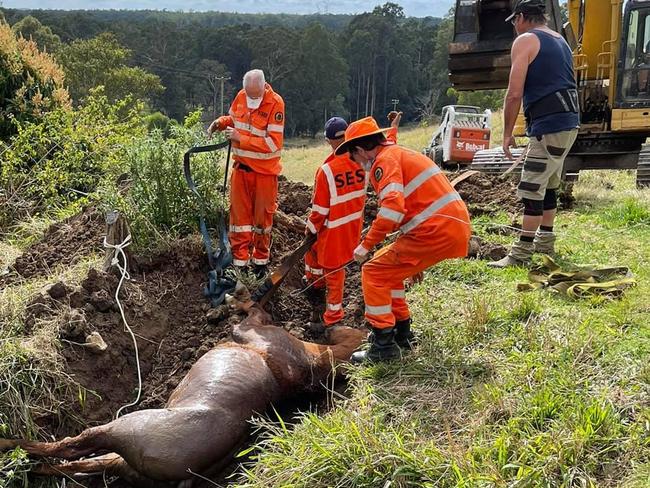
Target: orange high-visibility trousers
{"points": [[382, 278], [253, 202], [333, 280]]}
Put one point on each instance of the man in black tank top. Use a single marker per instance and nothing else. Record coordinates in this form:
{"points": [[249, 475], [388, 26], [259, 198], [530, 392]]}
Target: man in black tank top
{"points": [[542, 77]]}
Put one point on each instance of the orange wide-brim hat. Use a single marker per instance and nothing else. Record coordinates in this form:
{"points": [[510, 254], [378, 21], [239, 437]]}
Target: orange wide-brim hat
{"points": [[358, 129]]}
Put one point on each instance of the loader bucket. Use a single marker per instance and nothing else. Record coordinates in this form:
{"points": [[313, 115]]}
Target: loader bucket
{"points": [[479, 54], [494, 161]]}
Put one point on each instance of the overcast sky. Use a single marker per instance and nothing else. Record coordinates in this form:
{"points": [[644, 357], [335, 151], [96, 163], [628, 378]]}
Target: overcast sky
{"points": [[417, 8]]}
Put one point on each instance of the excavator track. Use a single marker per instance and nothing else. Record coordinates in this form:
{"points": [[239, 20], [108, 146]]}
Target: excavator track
{"points": [[643, 168]]}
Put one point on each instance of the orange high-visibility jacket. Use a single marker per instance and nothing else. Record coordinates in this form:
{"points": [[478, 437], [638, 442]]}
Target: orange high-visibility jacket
{"points": [[337, 208], [413, 194], [261, 129]]}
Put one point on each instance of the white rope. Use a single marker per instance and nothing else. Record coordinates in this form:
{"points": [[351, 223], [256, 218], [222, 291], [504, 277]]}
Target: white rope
{"points": [[119, 252]]}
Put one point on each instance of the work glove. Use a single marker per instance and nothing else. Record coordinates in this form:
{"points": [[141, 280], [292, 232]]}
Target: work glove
{"points": [[361, 254], [415, 279], [218, 125], [394, 117]]}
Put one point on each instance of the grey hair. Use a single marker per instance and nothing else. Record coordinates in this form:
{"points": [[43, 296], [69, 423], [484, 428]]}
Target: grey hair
{"points": [[254, 76]]}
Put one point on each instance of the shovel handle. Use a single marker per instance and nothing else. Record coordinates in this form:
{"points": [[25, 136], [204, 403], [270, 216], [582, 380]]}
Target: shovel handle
{"points": [[273, 282]]}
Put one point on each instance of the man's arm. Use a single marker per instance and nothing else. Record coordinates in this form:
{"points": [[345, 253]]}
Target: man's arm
{"points": [[394, 118], [524, 50], [320, 207], [388, 181], [221, 123]]}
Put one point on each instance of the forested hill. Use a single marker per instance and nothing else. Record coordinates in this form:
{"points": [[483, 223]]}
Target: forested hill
{"points": [[321, 64], [83, 23]]}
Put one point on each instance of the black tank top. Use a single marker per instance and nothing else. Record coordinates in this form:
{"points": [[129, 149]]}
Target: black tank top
{"points": [[550, 71]]}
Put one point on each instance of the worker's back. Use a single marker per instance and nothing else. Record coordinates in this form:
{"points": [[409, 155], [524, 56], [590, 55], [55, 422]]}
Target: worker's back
{"points": [[343, 182], [427, 194], [551, 71]]}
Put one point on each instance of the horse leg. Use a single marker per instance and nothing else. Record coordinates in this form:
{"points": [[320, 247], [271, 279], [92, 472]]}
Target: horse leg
{"points": [[88, 442], [112, 464]]}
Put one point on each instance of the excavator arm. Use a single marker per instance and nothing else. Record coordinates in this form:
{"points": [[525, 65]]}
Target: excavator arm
{"points": [[479, 55]]}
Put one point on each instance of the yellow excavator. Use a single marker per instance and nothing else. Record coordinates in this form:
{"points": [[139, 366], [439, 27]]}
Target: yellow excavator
{"points": [[610, 40]]}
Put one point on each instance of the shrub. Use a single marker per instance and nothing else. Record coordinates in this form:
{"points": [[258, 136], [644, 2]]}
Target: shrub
{"points": [[31, 83], [61, 159], [155, 198]]}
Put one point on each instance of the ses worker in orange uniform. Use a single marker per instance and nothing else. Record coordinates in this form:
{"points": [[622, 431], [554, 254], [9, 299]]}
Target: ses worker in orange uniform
{"points": [[336, 217], [255, 126], [415, 198]]}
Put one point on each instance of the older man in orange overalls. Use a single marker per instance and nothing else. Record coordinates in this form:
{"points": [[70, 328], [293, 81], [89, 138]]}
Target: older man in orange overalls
{"points": [[415, 198], [255, 126]]}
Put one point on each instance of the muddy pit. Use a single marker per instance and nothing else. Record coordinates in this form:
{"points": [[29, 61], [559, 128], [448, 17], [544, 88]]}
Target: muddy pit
{"points": [[165, 307]]}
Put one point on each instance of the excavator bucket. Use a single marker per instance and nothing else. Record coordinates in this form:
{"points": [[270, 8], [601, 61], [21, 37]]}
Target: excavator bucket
{"points": [[479, 55]]}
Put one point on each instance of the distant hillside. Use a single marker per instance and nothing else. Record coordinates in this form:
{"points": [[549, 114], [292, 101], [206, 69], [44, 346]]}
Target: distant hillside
{"points": [[414, 8], [85, 23], [351, 65]]}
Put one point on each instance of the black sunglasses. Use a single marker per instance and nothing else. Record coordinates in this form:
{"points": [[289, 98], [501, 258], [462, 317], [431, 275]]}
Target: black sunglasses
{"points": [[514, 19]]}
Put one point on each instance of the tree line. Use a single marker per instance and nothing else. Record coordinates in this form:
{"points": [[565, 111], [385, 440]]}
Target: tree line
{"points": [[322, 65]]}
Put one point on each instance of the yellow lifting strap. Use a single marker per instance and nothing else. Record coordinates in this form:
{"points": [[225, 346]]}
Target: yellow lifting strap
{"points": [[582, 282]]}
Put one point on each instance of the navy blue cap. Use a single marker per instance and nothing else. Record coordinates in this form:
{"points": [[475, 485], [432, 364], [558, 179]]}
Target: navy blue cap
{"points": [[335, 128]]}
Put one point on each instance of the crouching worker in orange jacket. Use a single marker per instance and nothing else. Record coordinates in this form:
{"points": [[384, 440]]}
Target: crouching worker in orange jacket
{"points": [[416, 199], [255, 127], [336, 217]]}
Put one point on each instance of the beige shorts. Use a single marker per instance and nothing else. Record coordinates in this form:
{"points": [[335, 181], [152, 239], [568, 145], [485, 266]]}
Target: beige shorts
{"points": [[544, 162]]}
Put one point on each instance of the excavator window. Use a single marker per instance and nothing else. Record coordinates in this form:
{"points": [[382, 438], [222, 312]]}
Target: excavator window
{"points": [[636, 67]]}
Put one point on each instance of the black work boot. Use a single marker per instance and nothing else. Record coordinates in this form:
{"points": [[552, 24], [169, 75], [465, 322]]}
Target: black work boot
{"points": [[316, 298], [317, 328], [404, 337], [260, 271], [313, 294], [382, 347]]}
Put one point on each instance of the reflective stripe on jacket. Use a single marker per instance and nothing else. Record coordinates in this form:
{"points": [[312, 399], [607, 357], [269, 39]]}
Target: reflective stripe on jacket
{"points": [[337, 208], [261, 130], [413, 194]]}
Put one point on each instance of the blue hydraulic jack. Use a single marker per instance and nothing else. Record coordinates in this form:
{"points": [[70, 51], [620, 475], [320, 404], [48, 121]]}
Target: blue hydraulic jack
{"points": [[220, 258]]}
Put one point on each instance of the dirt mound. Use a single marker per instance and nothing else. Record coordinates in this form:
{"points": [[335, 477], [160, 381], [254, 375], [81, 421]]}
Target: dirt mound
{"points": [[64, 243], [488, 194], [165, 308], [482, 249], [294, 197]]}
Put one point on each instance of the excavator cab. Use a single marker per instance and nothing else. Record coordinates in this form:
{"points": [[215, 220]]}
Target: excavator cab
{"points": [[634, 67], [479, 55]]}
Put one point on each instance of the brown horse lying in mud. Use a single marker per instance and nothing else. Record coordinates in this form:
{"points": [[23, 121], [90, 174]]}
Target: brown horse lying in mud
{"points": [[206, 417]]}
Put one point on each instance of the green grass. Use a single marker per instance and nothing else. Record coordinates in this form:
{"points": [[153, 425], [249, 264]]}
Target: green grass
{"points": [[506, 389], [33, 383], [301, 157]]}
